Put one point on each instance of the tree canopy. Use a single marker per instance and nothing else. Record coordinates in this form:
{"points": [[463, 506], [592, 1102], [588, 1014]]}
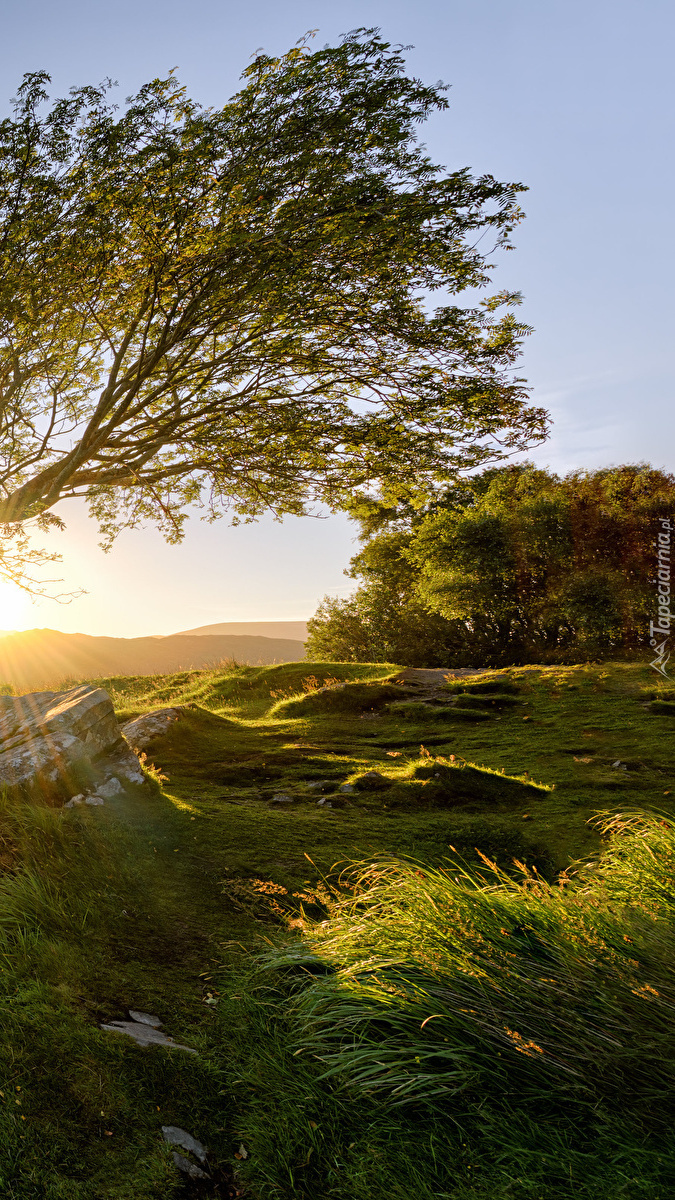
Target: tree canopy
{"points": [[514, 564], [230, 307]]}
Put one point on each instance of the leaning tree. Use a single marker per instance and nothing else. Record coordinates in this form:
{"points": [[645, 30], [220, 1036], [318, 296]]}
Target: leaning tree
{"points": [[231, 307]]}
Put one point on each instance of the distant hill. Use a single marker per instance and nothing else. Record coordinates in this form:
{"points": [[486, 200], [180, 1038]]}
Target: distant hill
{"points": [[45, 658], [296, 630]]}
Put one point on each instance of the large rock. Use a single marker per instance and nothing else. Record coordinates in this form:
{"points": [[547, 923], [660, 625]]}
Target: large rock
{"points": [[55, 744]]}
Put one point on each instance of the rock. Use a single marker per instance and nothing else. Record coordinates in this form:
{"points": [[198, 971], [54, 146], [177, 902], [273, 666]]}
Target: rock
{"points": [[145, 1035], [79, 799], [176, 1136], [188, 1168], [281, 798], [347, 788], [372, 781], [322, 785], [145, 1019], [112, 787], [143, 730], [62, 744], [326, 803], [93, 800]]}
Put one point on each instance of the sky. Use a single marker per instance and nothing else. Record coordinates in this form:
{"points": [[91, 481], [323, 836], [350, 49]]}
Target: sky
{"points": [[572, 97]]}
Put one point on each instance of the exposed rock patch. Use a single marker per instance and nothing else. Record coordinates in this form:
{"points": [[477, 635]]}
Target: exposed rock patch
{"points": [[60, 744], [143, 730]]}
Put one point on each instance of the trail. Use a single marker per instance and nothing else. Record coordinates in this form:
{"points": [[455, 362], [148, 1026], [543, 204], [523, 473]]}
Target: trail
{"points": [[428, 683]]}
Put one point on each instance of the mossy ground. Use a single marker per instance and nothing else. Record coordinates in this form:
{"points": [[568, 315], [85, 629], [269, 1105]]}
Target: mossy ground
{"points": [[147, 904]]}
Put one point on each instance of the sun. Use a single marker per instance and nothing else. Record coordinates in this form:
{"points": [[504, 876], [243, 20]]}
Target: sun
{"points": [[15, 608]]}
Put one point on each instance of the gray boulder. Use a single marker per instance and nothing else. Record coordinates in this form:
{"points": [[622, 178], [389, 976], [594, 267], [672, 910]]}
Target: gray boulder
{"points": [[60, 744], [143, 730]]}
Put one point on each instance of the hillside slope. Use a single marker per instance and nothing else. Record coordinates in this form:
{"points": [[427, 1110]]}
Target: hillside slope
{"points": [[46, 657], [295, 630]]}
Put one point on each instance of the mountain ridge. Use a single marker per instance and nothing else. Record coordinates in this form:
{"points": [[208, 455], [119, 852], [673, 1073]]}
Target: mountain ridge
{"points": [[41, 658]]}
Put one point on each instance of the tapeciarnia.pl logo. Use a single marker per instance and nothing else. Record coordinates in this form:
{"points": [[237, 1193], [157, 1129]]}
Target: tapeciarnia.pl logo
{"points": [[659, 630]]}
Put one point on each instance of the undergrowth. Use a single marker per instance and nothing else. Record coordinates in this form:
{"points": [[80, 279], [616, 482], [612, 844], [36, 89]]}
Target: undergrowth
{"points": [[516, 1035]]}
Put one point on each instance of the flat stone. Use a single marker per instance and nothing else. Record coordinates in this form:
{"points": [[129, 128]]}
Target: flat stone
{"points": [[347, 788], [145, 1035], [188, 1168], [326, 803], [145, 1019], [281, 798], [94, 800], [176, 1136]]}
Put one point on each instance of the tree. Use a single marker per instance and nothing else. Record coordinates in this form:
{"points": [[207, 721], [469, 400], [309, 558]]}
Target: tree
{"points": [[229, 308], [514, 564]]}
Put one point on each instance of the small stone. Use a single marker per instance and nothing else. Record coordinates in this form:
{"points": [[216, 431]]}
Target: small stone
{"points": [[94, 800], [176, 1136], [326, 803], [111, 787], [281, 798], [145, 1018], [347, 788], [79, 799], [187, 1167], [145, 1035], [321, 785]]}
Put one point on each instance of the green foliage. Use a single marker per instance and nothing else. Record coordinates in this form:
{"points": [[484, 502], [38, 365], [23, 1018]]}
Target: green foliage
{"points": [[223, 306], [514, 565]]}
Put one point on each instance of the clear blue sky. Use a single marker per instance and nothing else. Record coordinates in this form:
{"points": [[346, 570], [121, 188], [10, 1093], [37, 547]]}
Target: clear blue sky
{"points": [[572, 97]]}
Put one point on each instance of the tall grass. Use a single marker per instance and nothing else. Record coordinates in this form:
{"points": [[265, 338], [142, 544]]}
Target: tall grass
{"points": [[430, 986]]}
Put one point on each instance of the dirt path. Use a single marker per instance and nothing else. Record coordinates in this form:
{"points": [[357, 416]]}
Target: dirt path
{"points": [[427, 683]]}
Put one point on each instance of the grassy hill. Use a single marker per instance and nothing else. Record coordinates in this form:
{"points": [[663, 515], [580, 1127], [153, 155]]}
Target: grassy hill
{"points": [[426, 1024]]}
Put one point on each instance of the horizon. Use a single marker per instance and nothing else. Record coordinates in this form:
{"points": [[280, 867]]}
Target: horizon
{"points": [[283, 621]]}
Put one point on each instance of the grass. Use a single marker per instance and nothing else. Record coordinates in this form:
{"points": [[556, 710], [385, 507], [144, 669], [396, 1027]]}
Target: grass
{"points": [[204, 902], [475, 1013]]}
